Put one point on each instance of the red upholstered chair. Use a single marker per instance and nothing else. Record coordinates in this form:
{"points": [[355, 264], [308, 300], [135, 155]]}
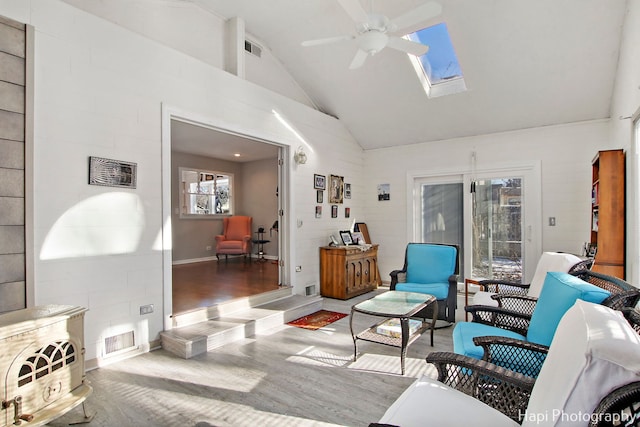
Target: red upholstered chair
{"points": [[235, 238]]}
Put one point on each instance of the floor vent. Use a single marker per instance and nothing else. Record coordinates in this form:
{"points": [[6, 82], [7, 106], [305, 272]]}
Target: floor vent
{"points": [[252, 48], [118, 343]]}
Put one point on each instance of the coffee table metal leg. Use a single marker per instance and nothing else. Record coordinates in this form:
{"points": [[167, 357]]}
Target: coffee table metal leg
{"points": [[434, 319], [404, 327], [355, 340]]}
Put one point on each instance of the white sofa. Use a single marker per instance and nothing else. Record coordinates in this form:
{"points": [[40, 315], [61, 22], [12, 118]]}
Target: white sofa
{"points": [[594, 352]]}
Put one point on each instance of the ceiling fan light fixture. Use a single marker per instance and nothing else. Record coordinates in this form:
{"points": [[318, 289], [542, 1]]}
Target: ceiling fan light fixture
{"points": [[373, 41]]}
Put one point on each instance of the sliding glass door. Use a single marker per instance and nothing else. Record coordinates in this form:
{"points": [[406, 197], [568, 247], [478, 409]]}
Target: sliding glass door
{"points": [[497, 228], [493, 216]]}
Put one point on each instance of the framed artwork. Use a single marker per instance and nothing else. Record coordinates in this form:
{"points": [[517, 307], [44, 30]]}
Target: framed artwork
{"points": [[384, 192], [319, 196], [362, 228], [346, 237], [319, 181], [336, 188], [334, 211], [347, 212], [357, 237], [347, 191], [318, 211], [112, 173]]}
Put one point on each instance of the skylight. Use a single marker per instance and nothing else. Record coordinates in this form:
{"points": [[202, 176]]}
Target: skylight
{"points": [[438, 69]]}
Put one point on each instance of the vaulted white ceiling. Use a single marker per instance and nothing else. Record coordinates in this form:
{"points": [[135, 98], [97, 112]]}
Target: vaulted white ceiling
{"points": [[526, 63]]}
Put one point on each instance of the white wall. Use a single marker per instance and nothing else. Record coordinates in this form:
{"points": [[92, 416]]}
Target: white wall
{"points": [[99, 90], [564, 152], [626, 103]]}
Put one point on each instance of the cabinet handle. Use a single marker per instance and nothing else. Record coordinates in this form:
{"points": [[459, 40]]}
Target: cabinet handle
{"points": [[366, 272]]}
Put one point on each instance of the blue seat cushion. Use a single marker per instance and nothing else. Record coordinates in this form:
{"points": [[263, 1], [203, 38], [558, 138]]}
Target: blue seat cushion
{"points": [[465, 332], [559, 292], [438, 290]]}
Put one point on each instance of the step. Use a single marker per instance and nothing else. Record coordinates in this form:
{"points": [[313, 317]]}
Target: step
{"points": [[193, 339], [206, 313]]}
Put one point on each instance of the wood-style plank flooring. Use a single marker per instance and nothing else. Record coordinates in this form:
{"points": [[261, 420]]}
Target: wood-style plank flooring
{"points": [[286, 376], [205, 284]]}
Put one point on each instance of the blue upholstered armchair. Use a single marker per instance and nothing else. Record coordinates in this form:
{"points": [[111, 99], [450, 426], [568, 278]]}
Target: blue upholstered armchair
{"points": [[430, 268]]}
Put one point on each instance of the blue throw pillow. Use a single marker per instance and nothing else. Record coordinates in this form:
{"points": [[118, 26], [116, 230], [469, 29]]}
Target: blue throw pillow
{"points": [[559, 292]]}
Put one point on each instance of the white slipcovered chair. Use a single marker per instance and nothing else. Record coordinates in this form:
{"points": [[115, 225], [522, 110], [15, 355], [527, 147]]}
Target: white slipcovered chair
{"points": [[594, 353]]}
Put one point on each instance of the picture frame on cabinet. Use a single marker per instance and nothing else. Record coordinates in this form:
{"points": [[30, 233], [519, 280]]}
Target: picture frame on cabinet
{"points": [[346, 237]]}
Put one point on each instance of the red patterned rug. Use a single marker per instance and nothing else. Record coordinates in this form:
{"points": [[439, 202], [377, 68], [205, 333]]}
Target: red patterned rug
{"points": [[317, 320]]}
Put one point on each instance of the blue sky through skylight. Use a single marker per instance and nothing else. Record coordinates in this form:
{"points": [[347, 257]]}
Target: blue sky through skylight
{"points": [[440, 62]]}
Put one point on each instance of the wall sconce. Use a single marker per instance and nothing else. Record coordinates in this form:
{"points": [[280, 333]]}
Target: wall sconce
{"points": [[300, 157]]}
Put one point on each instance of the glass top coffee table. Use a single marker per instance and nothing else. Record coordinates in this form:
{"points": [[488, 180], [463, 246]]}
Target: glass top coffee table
{"points": [[397, 329]]}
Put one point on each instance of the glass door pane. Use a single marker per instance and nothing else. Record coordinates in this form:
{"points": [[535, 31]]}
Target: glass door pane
{"points": [[442, 218], [497, 229]]}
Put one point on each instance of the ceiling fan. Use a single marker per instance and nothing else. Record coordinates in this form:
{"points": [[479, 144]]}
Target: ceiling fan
{"points": [[374, 31]]}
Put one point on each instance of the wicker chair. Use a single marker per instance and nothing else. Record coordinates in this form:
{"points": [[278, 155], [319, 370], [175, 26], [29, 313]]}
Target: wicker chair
{"points": [[500, 292], [592, 371], [519, 352], [514, 312]]}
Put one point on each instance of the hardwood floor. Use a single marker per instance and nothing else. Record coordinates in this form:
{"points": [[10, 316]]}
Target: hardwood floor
{"points": [[205, 284], [287, 376]]}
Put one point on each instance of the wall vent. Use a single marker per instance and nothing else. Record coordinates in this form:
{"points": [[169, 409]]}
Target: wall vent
{"points": [[310, 290], [118, 343], [252, 48]]}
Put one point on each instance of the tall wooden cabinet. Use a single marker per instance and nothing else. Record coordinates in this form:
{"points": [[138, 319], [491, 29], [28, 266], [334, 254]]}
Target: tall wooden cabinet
{"points": [[608, 212], [347, 271]]}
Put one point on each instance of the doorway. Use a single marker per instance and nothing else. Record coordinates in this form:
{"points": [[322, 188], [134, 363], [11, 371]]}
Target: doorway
{"points": [[186, 138]]}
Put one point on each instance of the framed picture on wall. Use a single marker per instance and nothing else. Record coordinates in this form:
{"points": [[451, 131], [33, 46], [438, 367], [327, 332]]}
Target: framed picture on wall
{"points": [[334, 211], [347, 212], [319, 196], [318, 211], [319, 181], [347, 191], [336, 188]]}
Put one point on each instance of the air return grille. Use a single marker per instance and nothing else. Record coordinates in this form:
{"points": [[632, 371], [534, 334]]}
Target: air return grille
{"points": [[118, 343], [252, 48]]}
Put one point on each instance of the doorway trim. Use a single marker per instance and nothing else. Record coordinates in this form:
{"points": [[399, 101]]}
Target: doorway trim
{"points": [[170, 113]]}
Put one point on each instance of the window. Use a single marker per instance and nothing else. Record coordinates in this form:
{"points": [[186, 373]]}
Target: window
{"points": [[205, 193], [438, 69]]}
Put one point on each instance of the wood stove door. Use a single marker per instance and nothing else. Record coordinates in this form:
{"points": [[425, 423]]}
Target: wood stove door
{"points": [[42, 373]]}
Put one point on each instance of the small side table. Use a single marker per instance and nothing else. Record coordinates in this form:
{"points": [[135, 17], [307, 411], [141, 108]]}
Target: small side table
{"points": [[468, 282], [260, 241]]}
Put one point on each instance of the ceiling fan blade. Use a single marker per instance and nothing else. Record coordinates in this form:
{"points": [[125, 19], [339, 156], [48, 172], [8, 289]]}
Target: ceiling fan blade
{"points": [[326, 40], [355, 10], [416, 16], [359, 59], [407, 46]]}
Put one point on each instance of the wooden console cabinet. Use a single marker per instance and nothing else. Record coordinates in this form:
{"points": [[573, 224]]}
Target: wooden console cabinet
{"points": [[348, 271]]}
